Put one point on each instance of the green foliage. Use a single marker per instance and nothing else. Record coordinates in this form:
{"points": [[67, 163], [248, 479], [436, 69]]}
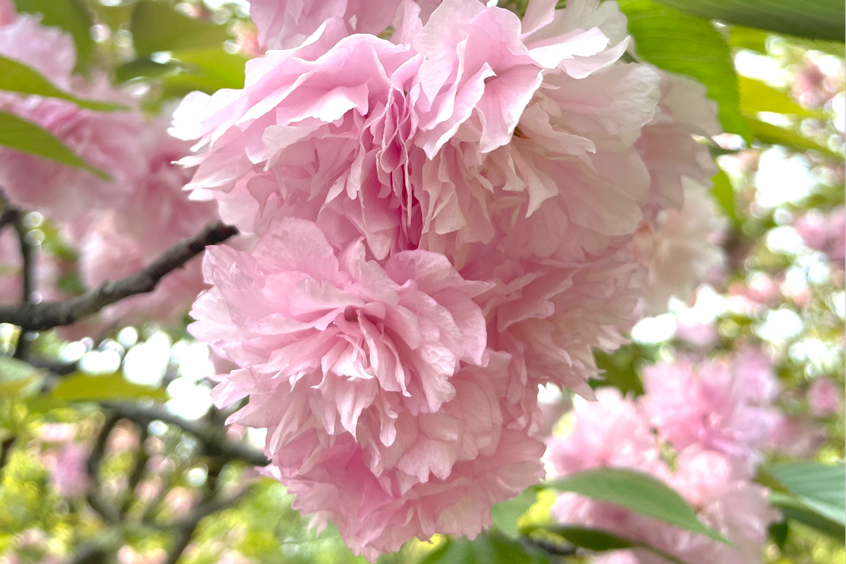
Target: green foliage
{"points": [[18, 378], [18, 78], [789, 138], [723, 193], [156, 26], [636, 491], [489, 548], [597, 540], [684, 44], [27, 137], [507, 513], [815, 19], [756, 96], [72, 16], [85, 387], [818, 486]]}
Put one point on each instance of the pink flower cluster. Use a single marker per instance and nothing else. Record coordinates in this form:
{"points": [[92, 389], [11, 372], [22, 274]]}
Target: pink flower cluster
{"points": [[443, 222], [717, 416], [118, 225], [825, 232]]}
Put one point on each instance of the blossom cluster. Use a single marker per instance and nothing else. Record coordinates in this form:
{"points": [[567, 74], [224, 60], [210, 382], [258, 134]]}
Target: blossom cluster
{"points": [[117, 224], [447, 214], [715, 417]]}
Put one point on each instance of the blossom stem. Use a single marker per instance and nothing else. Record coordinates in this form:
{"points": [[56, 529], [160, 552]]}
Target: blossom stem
{"points": [[43, 316]]}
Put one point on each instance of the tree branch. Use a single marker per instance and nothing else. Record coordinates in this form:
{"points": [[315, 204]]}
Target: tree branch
{"points": [[43, 316], [215, 441]]}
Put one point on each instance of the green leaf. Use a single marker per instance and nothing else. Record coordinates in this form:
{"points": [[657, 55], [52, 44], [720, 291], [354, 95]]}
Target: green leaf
{"points": [[756, 40], [756, 96], [72, 16], [27, 137], [486, 549], [723, 192], [21, 79], [207, 70], [680, 43], [774, 135], [507, 513], [597, 540], [18, 378], [636, 491], [815, 19], [818, 486], [143, 68], [85, 387], [156, 26], [793, 509]]}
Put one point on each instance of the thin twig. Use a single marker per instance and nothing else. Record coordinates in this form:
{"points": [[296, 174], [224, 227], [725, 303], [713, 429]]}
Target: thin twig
{"points": [[185, 529], [27, 275], [93, 467], [215, 441], [43, 316]]}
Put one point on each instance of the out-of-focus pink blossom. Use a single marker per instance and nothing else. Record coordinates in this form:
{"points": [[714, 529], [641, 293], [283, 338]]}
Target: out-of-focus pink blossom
{"points": [[719, 407], [608, 432], [825, 232], [810, 85], [99, 138], [7, 12], [70, 475], [681, 249], [697, 333], [797, 438], [283, 24], [613, 432], [825, 397]]}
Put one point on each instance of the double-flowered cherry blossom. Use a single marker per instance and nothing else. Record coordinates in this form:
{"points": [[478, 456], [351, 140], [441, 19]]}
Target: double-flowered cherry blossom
{"points": [[444, 217], [381, 402]]}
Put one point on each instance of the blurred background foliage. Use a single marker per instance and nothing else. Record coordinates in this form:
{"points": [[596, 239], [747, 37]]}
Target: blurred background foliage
{"points": [[112, 451]]}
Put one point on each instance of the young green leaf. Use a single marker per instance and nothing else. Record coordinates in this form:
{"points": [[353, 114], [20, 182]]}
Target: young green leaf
{"points": [[756, 96], [73, 16], [636, 491], [506, 514], [680, 43], [774, 135], [723, 192], [18, 78], [486, 549], [815, 19], [597, 540], [27, 137], [818, 486], [157, 26], [84, 387], [18, 378]]}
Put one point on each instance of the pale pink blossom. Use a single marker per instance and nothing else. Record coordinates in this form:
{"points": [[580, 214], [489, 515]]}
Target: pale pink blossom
{"points": [[70, 474], [7, 12], [719, 407], [379, 366], [825, 397], [680, 249], [825, 232], [609, 432], [797, 437], [48, 50], [284, 24]]}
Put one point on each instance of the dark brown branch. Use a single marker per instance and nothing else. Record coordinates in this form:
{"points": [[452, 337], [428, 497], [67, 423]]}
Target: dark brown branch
{"points": [[214, 440], [43, 316], [27, 275]]}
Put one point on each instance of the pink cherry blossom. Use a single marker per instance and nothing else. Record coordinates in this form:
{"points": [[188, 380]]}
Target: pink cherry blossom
{"points": [[609, 432], [283, 24], [825, 232], [7, 12], [382, 367], [720, 407], [825, 397], [681, 249], [70, 475]]}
